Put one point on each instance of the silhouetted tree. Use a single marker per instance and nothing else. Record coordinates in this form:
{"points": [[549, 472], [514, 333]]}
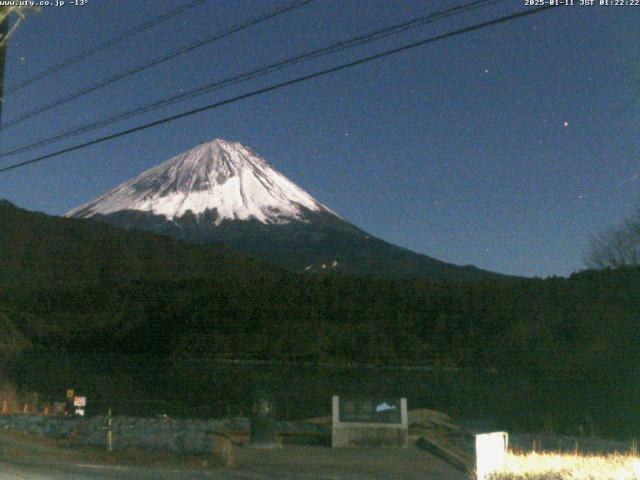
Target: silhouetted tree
{"points": [[616, 247]]}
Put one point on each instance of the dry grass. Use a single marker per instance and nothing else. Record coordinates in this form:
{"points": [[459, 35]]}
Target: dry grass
{"points": [[14, 400], [8, 394], [557, 466]]}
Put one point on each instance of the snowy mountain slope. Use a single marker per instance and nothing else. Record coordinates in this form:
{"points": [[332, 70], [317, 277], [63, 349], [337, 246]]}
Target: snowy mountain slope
{"points": [[223, 176], [223, 192]]}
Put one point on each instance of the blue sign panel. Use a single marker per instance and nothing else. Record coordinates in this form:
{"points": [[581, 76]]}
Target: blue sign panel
{"points": [[370, 410]]}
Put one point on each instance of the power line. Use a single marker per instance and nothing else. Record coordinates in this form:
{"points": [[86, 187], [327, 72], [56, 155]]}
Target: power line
{"points": [[158, 60], [103, 46], [109, 43], [258, 72], [284, 84]]}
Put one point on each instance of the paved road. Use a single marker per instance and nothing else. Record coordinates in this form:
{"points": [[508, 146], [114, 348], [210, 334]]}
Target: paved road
{"points": [[21, 460], [29, 471]]}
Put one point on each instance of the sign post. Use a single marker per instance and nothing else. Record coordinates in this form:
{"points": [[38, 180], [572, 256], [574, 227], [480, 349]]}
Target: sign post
{"points": [[109, 434], [69, 401]]}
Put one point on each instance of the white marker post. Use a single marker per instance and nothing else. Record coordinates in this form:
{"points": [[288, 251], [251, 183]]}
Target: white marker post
{"points": [[490, 453]]}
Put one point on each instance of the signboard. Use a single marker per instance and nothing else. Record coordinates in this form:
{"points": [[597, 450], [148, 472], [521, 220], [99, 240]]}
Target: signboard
{"points": [[372, 422], [80, 412], [70, 394], [80, 402], [370, 411]]}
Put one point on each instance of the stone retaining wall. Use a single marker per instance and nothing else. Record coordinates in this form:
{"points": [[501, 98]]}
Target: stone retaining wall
{"points": [[166, 434]]}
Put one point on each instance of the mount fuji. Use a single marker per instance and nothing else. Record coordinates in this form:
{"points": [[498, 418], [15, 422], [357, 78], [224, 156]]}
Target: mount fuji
{"points": [[222, 191]]}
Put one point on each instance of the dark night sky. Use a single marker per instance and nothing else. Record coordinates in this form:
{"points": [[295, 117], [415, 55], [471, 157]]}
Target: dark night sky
{"points": [[504, 148]]}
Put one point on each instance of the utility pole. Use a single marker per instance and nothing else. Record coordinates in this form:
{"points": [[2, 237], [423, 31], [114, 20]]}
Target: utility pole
{"points": [[4, 32]]}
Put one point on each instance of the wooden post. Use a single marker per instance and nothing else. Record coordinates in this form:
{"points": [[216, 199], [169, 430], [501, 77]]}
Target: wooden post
{"points": [[109, 434]]}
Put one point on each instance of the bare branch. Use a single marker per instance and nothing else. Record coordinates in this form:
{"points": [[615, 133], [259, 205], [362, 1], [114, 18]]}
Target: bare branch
{"points": [[616, 247]]}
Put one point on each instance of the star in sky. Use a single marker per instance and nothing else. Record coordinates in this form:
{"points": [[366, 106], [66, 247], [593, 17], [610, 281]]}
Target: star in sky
{"points": [[634, 177]]}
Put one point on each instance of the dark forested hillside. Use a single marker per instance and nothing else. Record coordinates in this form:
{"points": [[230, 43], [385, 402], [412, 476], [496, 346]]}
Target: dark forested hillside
{"points": [[588, 320], [40, 250], [568, 347]]}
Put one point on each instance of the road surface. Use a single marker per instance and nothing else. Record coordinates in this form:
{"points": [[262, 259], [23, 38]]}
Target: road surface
{"points": [[24, 460]]}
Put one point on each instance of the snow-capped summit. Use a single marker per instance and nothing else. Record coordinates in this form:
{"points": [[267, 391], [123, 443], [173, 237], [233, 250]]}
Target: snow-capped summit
{"points": [[220, 175]]}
